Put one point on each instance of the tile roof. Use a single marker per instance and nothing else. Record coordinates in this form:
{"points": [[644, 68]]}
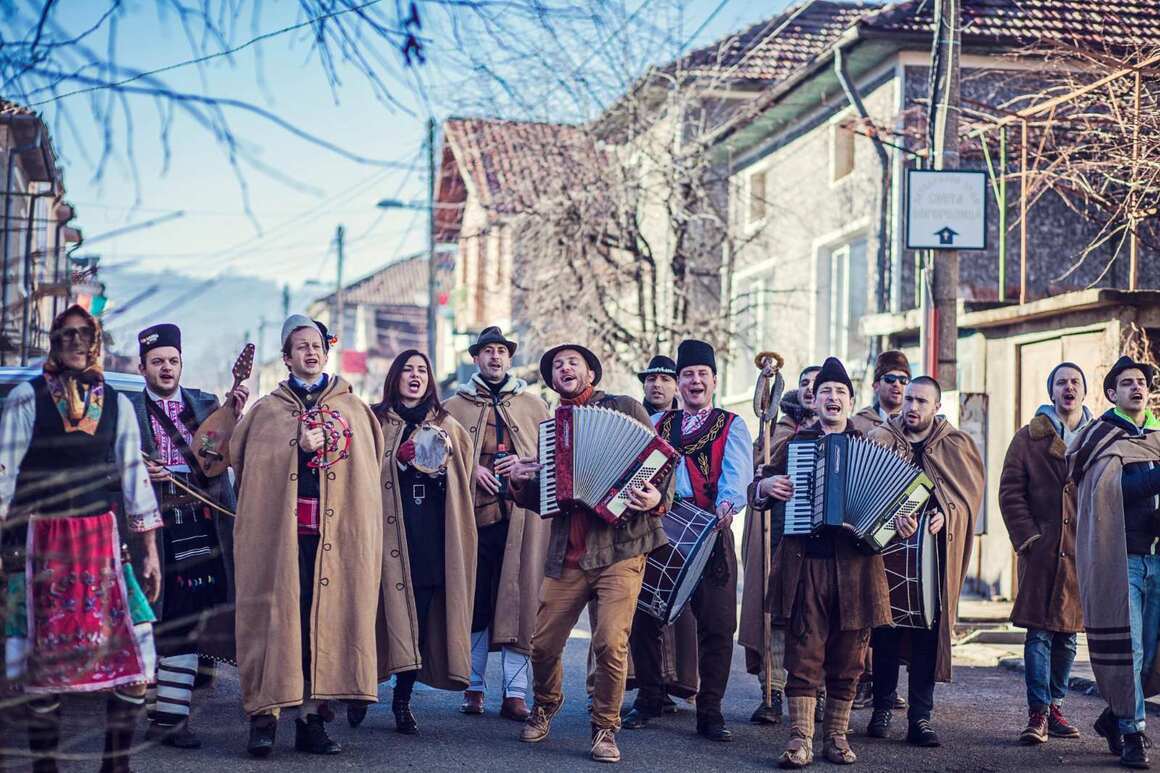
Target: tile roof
{"points": [[401, 283], [13, 108]]}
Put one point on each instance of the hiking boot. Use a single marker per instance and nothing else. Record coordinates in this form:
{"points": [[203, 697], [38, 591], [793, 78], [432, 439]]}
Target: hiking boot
{"points": [[864, 697], [921, 733], [799, 751], [310, 736], [515, 709], [604, 748], [1058, 726], [771, 714], [1108, 728], [879, 723], [1036, 730], [263, 729], [1134, 754], [539, 724], [472, 702], [405, 721]]}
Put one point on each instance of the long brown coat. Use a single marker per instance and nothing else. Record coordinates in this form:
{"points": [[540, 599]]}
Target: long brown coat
{"points": [[446, 653], [347, 571], [953, 463], [867, 419], [1037, 499], [518, 597]]}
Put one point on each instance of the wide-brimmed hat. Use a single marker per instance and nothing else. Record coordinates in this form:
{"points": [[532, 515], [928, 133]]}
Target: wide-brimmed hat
{"points": [[592, 360], [658, 366], [1127, 363], [491, 335]]}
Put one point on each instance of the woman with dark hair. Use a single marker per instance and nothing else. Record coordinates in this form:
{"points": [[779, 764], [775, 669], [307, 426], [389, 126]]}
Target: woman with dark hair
{"points": [[428, 515]]}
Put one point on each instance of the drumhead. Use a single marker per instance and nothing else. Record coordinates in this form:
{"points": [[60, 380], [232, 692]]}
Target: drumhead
{"points": [[928, 556], [432, 449], [673, 571]]}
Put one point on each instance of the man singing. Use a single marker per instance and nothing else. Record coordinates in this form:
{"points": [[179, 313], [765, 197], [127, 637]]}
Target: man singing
{"points": [[949, 458], [503, 418], [715, 449]]}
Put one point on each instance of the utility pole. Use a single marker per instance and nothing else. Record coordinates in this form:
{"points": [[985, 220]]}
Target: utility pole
{"points": [[339, 237], [432, 300], [940, 354], [285, 300]]}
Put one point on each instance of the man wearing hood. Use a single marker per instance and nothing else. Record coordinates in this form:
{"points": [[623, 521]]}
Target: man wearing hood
{"points": [[1115, 462], [949, 458], [503, 418], [1037, 499]]}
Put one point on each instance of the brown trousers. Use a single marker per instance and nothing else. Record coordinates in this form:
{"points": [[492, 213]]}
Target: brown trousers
{"points": [[615, 589], [817, 650]]}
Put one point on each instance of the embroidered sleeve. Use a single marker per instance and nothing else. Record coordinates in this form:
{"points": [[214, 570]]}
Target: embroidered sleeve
{"points": [[141, 509], [16, 422], [736, 467]]}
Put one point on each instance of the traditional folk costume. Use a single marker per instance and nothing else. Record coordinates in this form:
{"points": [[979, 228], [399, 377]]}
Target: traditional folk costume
{"points": [[196, 550], [430, 515], [1037, 500], [309, 531], [588, 558], [950, 459], [513, 542], [80, 621], [1115, 465], [828, 595], [714, 470]]}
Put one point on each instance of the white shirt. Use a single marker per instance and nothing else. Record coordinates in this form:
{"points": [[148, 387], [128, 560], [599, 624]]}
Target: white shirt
{"points": [[16, 423]]}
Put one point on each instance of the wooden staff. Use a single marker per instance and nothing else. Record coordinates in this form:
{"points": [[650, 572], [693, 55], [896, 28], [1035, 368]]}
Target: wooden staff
{"points": [[766, 398]]}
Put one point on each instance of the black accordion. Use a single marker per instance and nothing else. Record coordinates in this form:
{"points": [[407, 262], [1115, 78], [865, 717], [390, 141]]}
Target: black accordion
{"points": [[843, 482]]}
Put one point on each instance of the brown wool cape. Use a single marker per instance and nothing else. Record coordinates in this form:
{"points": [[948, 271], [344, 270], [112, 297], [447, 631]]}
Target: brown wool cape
{"points": [[1096, 459], [446, 654], [347, 571], [518, 597], [953, 463]]}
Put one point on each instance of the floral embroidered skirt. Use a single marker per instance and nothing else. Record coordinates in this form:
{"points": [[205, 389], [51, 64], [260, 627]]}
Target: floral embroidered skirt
{"points": [[77, 619]]}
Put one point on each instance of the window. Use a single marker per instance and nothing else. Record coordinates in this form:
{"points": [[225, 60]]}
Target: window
{"points": [[841, 304], [841, 151], [748, 311], [756, 198]]}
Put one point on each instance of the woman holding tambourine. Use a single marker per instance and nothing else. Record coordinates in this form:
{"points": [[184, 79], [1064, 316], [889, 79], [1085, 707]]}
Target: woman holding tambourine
{"points": [[428, 517]]}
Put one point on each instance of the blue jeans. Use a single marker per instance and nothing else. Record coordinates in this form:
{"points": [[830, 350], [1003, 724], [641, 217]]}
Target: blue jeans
{"points": [[1047, 659], [1144, 612]]}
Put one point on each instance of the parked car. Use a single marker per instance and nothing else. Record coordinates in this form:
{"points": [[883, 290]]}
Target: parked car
{"points": [[11, 375]]}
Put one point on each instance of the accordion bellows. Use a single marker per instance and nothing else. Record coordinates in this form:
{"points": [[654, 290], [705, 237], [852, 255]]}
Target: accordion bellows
{"points": [[594, 456]]}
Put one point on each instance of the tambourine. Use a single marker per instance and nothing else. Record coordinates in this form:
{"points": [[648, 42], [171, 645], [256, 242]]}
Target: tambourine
{"points": [[432, 449], [336, 446]]}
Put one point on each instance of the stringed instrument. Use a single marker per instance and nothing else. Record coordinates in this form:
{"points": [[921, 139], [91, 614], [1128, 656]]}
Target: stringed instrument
{"points": [[211, 443]]}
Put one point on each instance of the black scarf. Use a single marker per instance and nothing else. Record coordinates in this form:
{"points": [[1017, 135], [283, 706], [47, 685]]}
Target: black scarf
{"points": [[412, 416], [497, 387]]}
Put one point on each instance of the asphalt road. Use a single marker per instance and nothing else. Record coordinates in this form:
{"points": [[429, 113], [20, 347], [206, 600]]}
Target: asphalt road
{"points": [[978, 717]]}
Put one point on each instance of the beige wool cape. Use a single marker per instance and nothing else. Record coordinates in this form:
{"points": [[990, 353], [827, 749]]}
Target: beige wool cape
{"points": [[518, 598], [952, 462], [446, 654], [264, 450]]}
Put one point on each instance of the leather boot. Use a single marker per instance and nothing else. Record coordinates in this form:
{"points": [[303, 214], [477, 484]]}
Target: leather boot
{"points": [[799, 751], [768, 714], [263, 731], [44, 736], [515, 709], [310, 736], [472, 702], [834, 728], [120, 724], [405, 722]]}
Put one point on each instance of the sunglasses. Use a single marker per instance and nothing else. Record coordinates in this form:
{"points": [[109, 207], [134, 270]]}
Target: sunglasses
{"points": [[890, 378], [70, 334]]}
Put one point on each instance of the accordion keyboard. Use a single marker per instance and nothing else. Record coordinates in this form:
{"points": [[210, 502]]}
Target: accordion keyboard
{"points": [[549, 503], [801, 468]]}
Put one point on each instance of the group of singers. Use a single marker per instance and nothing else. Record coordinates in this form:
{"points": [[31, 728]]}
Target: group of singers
{"points": [[125, 566]]}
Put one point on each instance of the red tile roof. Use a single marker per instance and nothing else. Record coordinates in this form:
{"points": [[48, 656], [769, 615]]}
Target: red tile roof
{"points": [[401, 283]]}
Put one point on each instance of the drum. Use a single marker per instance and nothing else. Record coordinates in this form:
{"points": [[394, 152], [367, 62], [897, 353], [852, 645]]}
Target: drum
{"points": [[432, 449], [912, 574], [673, 571]]}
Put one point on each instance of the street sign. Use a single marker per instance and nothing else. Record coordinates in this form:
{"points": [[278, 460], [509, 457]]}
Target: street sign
{"points": [[946, 210]]}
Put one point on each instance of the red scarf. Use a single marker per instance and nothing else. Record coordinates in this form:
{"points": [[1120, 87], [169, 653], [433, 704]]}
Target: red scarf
{"points": [[581, 397]]}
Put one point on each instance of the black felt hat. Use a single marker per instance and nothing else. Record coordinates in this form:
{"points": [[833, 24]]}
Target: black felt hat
{"points": [[693, 352], [1127, 363], [592, 360], [658, 366], [833, 370], [156, 336], [491, 335]]}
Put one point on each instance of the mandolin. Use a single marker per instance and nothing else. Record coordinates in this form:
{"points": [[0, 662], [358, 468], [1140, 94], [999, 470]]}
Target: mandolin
{"points": [[211, 444]]}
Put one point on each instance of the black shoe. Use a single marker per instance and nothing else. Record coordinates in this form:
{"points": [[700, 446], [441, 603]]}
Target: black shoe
{"points": [[771, 714], [638, 718], [669, 706], [310, 736], [864, 697], [1134, 754], [1108, 728], [879, 725], [263, 729], [356, 713], [922, 734], [404, 720], [714, 730], [820, 708], [178, 736]]}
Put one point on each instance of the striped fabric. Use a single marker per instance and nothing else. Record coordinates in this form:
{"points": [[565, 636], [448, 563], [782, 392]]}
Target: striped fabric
{"points": [[175, 677]]}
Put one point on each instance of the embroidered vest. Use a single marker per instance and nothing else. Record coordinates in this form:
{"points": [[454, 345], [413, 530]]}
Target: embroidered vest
{"points": [[703, 452]]}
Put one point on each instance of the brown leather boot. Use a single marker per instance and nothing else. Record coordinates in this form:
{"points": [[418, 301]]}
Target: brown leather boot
{"points": [[799, 752], [515, 708], [472, 702], [835, 725]]}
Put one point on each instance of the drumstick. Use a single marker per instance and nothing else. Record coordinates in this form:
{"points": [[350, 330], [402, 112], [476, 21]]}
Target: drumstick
{"points": [[191, 490]]}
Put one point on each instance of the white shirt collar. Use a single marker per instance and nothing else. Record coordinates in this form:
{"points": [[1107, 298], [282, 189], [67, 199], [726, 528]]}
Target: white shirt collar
{"points": [[176, 398]]}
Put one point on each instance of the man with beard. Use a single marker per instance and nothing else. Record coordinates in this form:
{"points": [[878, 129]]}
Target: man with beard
{"points": [[588, 559], [827, 594], [1037, 499], [197, 541], [502, 417], [660, 384], [88, 626], [1115, 462], [310, 526], [714, 472], [949, 458]]}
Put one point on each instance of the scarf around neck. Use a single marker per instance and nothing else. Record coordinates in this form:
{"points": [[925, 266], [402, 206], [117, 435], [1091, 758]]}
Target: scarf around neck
{"points": [[79, 395], [580, 398]]}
